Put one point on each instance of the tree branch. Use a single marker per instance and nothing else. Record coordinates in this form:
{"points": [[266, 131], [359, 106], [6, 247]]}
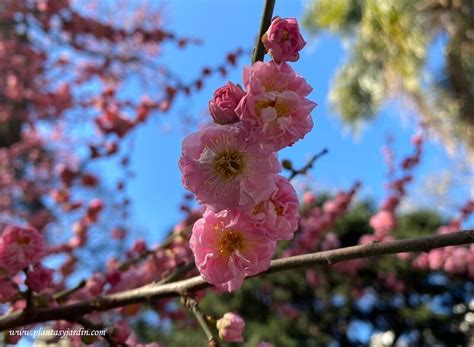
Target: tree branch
{"points": [[308, 165], [192, 305], [259, 50], [180, 288]]}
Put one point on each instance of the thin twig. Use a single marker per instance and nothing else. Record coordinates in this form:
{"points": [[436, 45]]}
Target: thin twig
{"points": [[64, 294], [192, 305], [29, 294], [259, 51], [178, 273], [180, 288], [167, 242], [308, 165]]}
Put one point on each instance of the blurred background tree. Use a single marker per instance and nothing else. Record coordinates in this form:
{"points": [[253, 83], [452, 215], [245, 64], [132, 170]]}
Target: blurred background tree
{"points": [[389, 43]]}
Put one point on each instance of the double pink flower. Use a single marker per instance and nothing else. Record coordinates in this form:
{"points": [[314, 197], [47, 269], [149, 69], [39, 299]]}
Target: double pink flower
{"points": [[232, 168]]}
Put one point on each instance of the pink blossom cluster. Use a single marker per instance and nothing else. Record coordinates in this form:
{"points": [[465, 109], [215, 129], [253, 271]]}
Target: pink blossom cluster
{"points": [[452, 259], [232, 168], [384, 221], [22, 249], [316, 221]]}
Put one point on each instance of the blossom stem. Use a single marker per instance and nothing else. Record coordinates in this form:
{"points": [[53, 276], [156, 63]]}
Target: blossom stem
{"points": [[180, 288], [192, 305], [259, 50]]}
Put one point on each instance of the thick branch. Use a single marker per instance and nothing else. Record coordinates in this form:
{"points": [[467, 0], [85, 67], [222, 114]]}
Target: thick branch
{"points": [[180, 288], [259, 51]]}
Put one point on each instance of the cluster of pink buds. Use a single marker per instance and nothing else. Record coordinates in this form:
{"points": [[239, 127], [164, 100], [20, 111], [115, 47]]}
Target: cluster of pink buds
{"points": [[232, 166]]}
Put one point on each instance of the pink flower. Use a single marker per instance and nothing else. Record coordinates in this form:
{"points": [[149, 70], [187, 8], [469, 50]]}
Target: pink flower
{"points": [[225, 168], [20, 247], [39, 278], [331, 241], [436, 259], [275, 106], [383, 222], [224, 102], [120, 331], [95, 284], [457, 261], [278, 216], [8, 290], [269, 76], [231, 327], [227, 248], [265, 344], [283, 40]]}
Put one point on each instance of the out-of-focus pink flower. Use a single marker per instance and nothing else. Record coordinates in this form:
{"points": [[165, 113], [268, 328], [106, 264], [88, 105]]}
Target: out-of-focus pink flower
{"points": [[225, 168], [278, 216], [470, 263], [275, 106], [95, 284], [421, 262], [383, 222], [457, 261], [93, 210], [330, 242], [231, 327], [283, 39], [7, 290], [227, 248], [289, 311], [224, 102], [120, 331], [309, 198], [39, 278], [265, 344], [20, 247], [436, 259]]}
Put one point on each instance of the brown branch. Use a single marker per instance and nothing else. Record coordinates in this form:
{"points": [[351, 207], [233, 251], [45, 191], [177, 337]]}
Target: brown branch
{"points": [[192, 305], [180, 288], [259, 51]]}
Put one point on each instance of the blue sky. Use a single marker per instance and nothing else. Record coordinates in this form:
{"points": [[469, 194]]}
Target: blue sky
{"points": [[224, 26]]}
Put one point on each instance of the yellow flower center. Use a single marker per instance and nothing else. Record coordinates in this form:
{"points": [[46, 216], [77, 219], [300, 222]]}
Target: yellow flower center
{"points": [[284, 35], [229, 163], [230, 241]]}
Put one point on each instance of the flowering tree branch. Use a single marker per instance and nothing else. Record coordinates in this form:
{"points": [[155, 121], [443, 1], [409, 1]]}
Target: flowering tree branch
{"points": [[259, 51], [184, 287]]}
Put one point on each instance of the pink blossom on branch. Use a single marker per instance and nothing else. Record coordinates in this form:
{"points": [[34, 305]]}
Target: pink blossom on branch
{"points": [[275, 106], [231, 327], [227, 248], [224, 102], [278, 216], [20, 247], [39, 278], [283, 39], [225, 168]]}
